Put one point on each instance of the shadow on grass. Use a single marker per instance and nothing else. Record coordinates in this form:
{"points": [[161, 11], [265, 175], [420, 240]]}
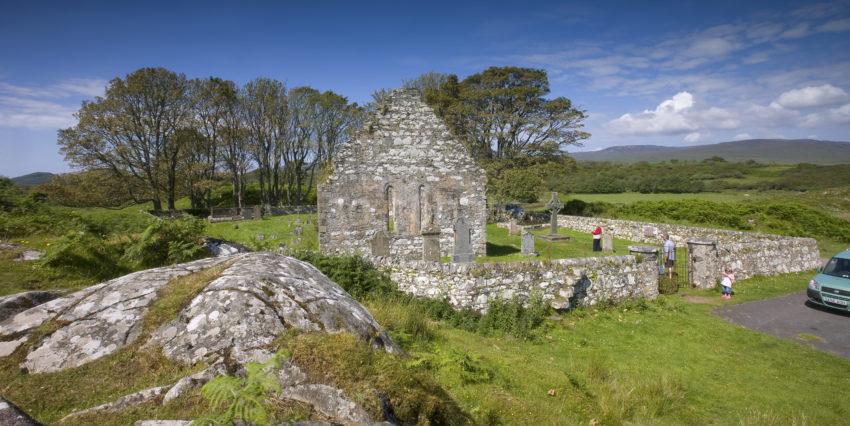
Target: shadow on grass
{"points": [[500, 250]]}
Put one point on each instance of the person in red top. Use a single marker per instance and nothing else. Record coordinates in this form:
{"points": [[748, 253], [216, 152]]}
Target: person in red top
{"points": [[597, 239]]}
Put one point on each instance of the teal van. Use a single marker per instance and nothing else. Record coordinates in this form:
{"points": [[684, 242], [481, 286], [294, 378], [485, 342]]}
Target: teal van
{"points": [[831, 286]]}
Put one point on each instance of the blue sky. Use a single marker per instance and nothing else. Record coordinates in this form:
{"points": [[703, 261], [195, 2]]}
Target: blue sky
{"points": [[671, 73]]}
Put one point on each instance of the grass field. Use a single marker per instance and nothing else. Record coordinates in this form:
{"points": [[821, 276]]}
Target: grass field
{"points": [[668, 361], [663, 362]]}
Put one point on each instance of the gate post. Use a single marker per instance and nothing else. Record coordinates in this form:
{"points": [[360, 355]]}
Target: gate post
{"points": [[703, 264]]}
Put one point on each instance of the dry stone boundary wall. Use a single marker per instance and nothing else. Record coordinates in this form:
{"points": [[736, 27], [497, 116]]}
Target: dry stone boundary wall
{"points": [[564, 283], [747, 253]]}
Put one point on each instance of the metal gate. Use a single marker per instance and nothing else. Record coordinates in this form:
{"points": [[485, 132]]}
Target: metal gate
{"points": [[670, 280]]}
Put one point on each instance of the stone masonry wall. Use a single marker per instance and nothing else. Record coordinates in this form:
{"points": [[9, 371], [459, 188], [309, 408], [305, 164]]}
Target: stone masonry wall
{"points": [[748, 253], [564, 282], [404, 172]]}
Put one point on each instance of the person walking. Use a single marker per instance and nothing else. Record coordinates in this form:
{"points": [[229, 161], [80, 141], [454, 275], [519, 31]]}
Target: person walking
{"points": [[669, 255], [597, 238]]}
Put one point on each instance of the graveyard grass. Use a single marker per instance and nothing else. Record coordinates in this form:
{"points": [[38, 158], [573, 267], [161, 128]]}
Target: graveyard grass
{"points": [[502, 247], [668, 361]]}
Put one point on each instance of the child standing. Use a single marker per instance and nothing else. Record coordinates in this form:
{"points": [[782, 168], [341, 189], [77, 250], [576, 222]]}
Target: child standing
{"points": [[726, 283]]}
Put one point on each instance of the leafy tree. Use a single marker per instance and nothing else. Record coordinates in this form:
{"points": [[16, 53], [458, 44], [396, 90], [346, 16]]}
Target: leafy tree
{"points": [[131, 130], [502, 112]]}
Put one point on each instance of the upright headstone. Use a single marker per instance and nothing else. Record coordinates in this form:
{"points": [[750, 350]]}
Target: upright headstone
{"points": [[247, 214], [463, 243], [648, 231], [607, 241], [298, 231], [258, 213], [513, 227], [554, 206], [431, 244], [380, 245], [527, 247]]}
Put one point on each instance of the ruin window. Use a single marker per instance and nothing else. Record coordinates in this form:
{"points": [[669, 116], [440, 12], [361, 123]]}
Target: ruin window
{"points": [[420, 203], [389, 214]]}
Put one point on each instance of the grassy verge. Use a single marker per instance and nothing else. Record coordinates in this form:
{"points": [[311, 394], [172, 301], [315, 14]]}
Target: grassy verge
{"points": [[50, 396]]}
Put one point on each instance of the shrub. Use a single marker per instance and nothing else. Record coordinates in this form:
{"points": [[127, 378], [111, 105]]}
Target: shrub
{"points": [[88, 255], [167, 242], [521, 185]]}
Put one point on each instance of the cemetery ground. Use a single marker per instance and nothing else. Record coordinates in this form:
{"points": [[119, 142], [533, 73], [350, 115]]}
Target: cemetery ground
{"points": [[666, 361]]}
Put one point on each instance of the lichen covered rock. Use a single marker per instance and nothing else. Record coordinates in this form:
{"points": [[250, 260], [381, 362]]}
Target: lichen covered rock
{"points": [[255, 300]]}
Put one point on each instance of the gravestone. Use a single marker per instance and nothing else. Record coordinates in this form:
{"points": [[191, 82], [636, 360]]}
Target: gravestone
{"points": [[298, 231], [527, 247], [648, 231], [513, 227], [247, 214], [463, 243], [380, 244], [258, 213], [431, 244], [297, 220], [607, 242], [261, 237], [554, 206]]}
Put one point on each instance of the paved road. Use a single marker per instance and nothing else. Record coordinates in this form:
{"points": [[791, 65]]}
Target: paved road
{"points": [[788, 317]]}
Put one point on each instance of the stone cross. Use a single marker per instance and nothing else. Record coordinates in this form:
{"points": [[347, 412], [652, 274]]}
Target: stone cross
{"points": [[554, 206], [527, 247], [463, 243]]}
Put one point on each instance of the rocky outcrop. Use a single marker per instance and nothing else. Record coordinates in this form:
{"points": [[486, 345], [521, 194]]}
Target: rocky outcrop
{"points": [[15, 303], [222, 248], [255, 300], [10, 415], [236, 317], [96, 321]]}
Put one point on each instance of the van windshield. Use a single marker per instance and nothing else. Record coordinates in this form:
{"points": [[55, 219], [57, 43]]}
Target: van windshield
{"points": [[837, 267]]}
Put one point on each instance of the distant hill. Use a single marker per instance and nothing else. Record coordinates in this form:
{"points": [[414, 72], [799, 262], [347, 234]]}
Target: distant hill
{"points": [[33, 179], [783, 151]]}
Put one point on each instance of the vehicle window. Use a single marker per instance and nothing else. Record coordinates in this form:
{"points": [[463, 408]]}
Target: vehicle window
{"points": [[837, 267]]}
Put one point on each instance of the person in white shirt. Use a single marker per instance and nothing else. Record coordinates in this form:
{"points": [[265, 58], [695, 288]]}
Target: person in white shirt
{"points": [[669, 255], [726, 283]]}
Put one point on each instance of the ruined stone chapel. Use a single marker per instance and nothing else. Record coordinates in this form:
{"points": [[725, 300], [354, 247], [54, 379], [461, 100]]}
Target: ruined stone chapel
{"points": [[404, 175]]}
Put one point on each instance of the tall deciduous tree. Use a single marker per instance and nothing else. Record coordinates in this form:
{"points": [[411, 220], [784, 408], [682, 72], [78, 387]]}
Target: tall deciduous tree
{"points": [[130, 131], [265, 112], [503, 113]]}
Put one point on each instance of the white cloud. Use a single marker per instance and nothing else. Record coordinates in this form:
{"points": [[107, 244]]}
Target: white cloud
{"points": [[677, 115], [812, 96], [49, 106], [742, 136], [839, 115], [30, 113], [693, 137], [835, 26], [798, 31]]}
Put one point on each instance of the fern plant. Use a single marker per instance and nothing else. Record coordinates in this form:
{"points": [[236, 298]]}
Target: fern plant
{"points": [[242, 399]]}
